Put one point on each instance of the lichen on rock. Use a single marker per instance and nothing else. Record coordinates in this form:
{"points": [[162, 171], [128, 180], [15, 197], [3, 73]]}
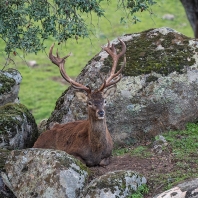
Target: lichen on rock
{"points": [[18, 128], [9, 86], [114, 184], [44, 173]]}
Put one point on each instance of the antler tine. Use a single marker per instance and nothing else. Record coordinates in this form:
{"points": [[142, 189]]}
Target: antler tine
{"points": [[60, 62], [117, 74], [112, 52]]}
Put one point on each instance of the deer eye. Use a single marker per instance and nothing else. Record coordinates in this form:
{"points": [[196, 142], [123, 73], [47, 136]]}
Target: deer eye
{"points": [[105, 102], [89, 103]]}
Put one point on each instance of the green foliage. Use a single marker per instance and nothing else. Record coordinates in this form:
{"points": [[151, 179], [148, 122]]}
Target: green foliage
{"points": [[25, 24], [60, 19], [141, 191]]}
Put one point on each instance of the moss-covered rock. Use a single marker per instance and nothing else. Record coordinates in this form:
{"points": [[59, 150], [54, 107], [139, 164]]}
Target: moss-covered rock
{"points": [[18, 128], [158, 90], [9, 86], [44, 173], [114, 184], [160, 53]]}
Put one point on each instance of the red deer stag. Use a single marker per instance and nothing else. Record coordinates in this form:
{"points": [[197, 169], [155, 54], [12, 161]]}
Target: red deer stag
{"points": [[88, 140]]}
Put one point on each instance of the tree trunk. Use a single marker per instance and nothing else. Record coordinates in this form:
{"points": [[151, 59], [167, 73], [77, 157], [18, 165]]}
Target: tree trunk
{"points": [[191, 8]]}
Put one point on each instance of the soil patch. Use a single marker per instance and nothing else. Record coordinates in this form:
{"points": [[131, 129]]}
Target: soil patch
{"points": [[160, 169]]}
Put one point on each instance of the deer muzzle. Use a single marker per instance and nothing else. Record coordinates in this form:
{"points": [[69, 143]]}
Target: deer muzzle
{"points": [[100, 114]]}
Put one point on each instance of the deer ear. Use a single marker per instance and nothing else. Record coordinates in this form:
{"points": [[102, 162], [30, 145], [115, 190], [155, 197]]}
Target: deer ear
{"points": [[81, 96], [110, 91]]}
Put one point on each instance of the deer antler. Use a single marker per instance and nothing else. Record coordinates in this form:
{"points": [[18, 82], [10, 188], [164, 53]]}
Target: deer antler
{"points": [[112, 52], [60, 62]]}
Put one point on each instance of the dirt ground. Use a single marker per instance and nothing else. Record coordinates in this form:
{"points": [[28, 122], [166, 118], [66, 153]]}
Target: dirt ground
{"points": [[159, 169]]}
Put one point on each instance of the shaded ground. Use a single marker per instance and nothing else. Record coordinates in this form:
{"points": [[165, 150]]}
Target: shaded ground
{"points": [[162, 171]]}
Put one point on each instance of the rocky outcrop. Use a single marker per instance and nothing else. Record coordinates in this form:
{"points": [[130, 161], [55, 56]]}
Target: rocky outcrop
{"points": [[158, 91], [18, 128], [44, 173], [9, 86]]}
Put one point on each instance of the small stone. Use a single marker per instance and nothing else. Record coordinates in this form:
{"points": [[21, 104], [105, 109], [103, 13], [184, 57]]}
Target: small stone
{"points": [[170, 17], [32, 63]]}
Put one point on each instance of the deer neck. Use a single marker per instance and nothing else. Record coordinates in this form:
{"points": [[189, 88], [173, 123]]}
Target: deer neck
{"points": [[97, 132]]}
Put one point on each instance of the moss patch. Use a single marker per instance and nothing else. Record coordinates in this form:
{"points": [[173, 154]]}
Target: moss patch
{"points": [[6, 83], [173, 54], [11, 117], [3, 157]]}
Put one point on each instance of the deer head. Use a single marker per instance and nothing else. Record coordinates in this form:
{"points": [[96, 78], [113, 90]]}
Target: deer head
{"points": [[95, 99]]}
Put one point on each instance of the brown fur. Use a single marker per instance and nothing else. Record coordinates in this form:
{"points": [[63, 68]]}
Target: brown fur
{"points": [[88, 140]]}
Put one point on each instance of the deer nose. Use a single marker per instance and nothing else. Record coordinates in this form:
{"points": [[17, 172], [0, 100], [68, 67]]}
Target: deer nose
{"points": [[101, 113]]}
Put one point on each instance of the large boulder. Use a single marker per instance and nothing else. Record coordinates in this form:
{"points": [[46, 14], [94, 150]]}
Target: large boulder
{"points": [[9, 86], [158, 91], [18, 128], [44, 173], [114, 184]]}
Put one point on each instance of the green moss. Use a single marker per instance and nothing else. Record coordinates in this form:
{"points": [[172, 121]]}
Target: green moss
{"points": [[6, 83], [65, 161], [11, 116], [3, 157], [143, 58], [151, 79], [83, 167]]}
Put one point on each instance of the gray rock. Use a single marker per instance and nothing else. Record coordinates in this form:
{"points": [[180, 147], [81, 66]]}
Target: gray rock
{"points": [[170, 17], [44, 174], [42, 126], [187, 189], [159, 143], [173, 192], [185, 186], [114, 184], [9, 86], [32, 63], [158, 91], [18, 128]]}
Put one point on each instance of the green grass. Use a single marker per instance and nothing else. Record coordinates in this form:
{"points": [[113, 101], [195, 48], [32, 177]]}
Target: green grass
{"points": [[39, 92], [184, 148], [140, 151], [184, 143]]}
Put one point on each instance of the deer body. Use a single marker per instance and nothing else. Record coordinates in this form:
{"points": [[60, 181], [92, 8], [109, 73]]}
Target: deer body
{"points": [[88, 140], [89, 150]]}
